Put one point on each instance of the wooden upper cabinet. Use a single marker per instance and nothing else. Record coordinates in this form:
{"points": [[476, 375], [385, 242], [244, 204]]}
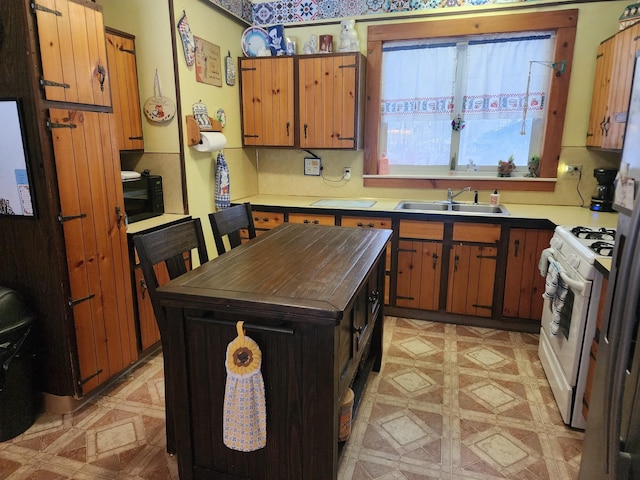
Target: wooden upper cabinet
{"points": [[121, 54], [330, 100], [611, 90], [267, 101], [598, 116], [73, 53]]}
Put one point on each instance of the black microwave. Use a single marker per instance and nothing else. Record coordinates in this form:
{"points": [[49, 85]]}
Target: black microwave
{"points": [[143, 197]]}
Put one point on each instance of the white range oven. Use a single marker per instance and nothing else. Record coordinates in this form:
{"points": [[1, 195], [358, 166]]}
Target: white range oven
{"points": [[569, 314]]}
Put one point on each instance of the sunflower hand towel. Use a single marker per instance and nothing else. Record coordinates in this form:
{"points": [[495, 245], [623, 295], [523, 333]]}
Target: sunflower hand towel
{"points": [[245, 412]]}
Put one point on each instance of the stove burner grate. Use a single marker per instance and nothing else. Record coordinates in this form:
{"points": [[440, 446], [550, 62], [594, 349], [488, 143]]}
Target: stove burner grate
{"points": [[602, 248], [587, 233]]}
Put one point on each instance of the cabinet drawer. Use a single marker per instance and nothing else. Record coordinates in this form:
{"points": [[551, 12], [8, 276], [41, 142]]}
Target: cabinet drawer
{"points": [[476, 232], [267, 220], [312, 219], [422, 230], [366, 222]]}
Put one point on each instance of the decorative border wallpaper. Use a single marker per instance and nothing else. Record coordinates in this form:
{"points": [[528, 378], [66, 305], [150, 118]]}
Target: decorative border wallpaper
{"points": [[291, 11]]}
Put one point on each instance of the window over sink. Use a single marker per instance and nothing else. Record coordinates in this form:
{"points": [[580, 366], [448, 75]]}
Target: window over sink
{"points": [[451, 98]]}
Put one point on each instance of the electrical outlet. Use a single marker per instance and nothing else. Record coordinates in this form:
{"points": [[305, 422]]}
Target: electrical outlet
{"points": [[347, 173], [574, 169]]}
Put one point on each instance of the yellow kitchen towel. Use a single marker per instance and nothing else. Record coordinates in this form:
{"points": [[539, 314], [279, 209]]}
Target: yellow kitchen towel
{"points": [[245, 410]]}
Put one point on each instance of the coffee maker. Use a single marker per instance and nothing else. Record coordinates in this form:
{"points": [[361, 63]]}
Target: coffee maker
{"points": [[602, 199]]}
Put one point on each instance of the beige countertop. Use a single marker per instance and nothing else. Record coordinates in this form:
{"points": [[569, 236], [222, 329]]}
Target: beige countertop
{"points": [[153, 222], [559, 215]]}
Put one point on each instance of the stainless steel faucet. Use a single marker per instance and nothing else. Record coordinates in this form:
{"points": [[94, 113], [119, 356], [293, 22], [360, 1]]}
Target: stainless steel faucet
{"points": [[451, 195]]}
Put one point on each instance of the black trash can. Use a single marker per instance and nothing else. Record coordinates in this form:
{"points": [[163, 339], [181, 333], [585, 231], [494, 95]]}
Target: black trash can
{"points": [[17, 395]]}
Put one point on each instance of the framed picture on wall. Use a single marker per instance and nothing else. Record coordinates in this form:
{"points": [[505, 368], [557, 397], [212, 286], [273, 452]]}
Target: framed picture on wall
{"points": [[15, 188]]}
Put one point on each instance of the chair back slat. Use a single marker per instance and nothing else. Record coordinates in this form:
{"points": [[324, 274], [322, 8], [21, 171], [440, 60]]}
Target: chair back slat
{"points": [[229, 222]]}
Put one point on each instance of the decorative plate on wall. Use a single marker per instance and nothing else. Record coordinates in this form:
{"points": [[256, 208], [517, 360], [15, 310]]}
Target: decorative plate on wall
{"points": [[254, 39]]}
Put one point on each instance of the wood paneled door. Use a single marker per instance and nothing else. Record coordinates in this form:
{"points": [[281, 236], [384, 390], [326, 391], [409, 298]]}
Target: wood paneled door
{"points": [[92, 216], [73, 51]]}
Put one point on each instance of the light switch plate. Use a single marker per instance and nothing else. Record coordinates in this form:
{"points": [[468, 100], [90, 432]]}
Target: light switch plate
{"points": [[312, 166]]}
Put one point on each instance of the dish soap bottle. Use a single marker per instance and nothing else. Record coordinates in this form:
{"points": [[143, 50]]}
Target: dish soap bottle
{"points": [[494, 198], [383, 164]]}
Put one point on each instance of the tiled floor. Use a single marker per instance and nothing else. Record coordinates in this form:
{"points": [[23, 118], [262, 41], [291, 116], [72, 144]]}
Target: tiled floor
{"points": [[451, 402]]}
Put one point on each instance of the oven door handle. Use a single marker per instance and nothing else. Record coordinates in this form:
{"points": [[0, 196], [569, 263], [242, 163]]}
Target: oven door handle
{"points": [[577, 286]]}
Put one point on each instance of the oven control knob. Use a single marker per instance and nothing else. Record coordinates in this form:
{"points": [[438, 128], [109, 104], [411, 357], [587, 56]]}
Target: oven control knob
{"points": [[556, 243], [573, 260]]}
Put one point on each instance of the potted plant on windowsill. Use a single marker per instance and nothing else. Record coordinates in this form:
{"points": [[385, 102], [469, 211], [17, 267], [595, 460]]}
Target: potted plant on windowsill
{"points": [[505, 168]]}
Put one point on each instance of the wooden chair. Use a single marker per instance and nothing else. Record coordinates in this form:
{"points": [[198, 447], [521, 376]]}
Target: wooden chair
{"points": [[168, 246], [229, 222]]}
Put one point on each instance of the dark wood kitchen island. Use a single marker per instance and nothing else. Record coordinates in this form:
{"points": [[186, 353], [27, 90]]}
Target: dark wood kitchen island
{"points": [[312, 299]]}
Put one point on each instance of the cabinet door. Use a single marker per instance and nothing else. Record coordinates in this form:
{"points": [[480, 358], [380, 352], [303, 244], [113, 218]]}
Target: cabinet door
{"points": [[523, 283], [598, 115], [472, 272], [73, 52], [418, 274], [329, 100], [373, 222], [266, 96], [624, 55], [121, 54], [92, 216], [149, 333]]}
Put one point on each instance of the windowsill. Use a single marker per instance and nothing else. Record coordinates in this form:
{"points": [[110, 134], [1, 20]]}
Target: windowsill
{"points": [[464, 176], [461, 180]]}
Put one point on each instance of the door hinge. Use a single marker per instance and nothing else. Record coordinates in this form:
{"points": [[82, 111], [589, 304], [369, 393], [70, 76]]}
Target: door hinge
{"points": [[42, 8], [85, 380], [50, 83], [51, 125], [62, 218], [73, 303]]}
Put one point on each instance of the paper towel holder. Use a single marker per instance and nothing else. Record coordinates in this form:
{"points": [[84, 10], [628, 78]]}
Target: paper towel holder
{"points": [[193, 129]]}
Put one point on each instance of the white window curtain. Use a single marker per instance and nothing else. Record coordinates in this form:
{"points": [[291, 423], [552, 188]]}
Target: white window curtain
{"points": [[481, 80]]}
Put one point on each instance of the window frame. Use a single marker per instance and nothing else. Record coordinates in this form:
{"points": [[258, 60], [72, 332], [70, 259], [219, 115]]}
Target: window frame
{"points": [[563, 22]]}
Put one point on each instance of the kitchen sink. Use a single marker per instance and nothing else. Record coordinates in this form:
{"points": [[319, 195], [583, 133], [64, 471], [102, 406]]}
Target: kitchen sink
{"points": [[477, 208], [445, 207], [430, 206]]}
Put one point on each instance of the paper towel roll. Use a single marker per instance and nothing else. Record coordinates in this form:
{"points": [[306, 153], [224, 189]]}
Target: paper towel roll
{"points": [[211, 142]]}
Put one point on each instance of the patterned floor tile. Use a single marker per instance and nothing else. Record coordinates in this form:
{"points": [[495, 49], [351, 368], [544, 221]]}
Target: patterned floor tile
{"points": [[450, 403]]}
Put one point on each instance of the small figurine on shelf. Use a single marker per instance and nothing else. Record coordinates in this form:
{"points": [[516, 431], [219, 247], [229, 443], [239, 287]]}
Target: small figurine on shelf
{"points": [[505, 168], [348, 37], [534, 167], [311, 46]]}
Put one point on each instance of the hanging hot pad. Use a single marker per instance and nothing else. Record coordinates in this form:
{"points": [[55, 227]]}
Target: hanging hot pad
{"points": [[159, 108], [245, 411]]}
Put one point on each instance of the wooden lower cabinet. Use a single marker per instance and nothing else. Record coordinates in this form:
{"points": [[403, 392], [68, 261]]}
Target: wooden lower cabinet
{"points": [[374, 222], [472, 273], [312, 218], [149, 334], [263, 221], [593, 354], [419, 274], [523, 283]]}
